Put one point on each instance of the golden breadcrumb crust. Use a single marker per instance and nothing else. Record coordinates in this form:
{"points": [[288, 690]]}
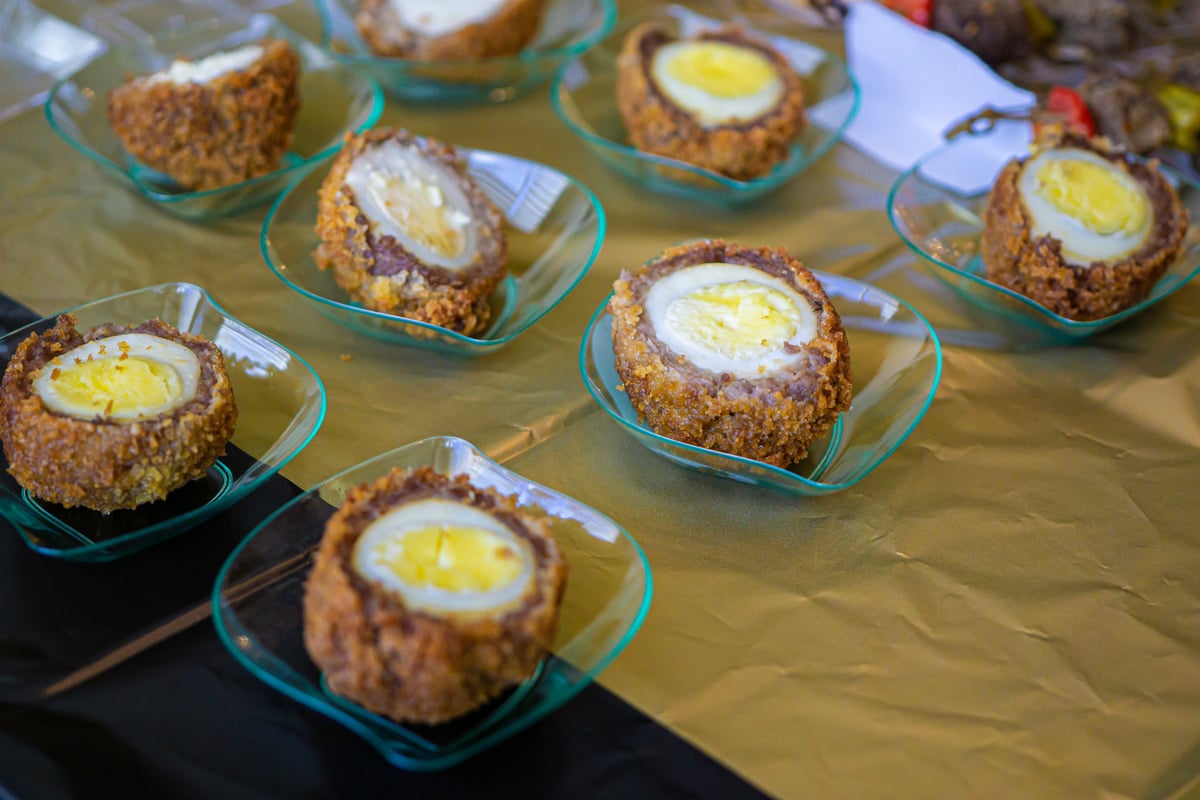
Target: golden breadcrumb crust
{"points": [[741, 151], [1036, 267], [416, 665], [505, 33], [208, 135], [382, 274], [773, 418], [102, 464]]}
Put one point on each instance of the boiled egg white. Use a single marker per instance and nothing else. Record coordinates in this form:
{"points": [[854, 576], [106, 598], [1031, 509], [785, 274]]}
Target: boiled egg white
{"points": [[416, 201], [442, 17], [1097, 210], [208, 68], [718, 83], [731, 318], [126, 378], [446, 557]]}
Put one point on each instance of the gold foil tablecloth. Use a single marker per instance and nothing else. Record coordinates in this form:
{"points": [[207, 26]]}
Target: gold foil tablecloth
{"points": [[1008, 607]]}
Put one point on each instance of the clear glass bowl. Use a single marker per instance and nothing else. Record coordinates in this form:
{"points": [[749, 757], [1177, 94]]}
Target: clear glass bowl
{"points": [[544, 263], [944, 227], [584, 97], [281, 404], [257, 606], [897, 363], [36, 50], [334, 99], [569, 27]]}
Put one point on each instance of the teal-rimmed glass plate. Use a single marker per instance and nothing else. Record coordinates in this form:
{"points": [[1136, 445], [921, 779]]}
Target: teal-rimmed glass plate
{"points": [[569, 27], [258, 611], [584, 97], [944, 227], [897, 363], [548, 253], [334, 99], [281, 404]]}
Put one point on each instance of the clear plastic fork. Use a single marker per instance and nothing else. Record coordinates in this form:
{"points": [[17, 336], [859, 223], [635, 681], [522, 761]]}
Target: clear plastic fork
{"points": [[526, 192]]}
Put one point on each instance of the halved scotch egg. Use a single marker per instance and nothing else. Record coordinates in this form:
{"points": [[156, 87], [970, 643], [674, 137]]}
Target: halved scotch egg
{"points": [[215, 121], [733, 349], [429, 596], [1080, 227], [114, 418], [444, 30], [407, 232], [723, 100]]}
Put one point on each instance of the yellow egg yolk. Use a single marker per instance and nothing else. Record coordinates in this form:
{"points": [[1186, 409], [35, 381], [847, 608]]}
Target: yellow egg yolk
{"points": [[738, 319], [450, 557], [1096, 196], [721, 69], [116, 386], [420, 209]]}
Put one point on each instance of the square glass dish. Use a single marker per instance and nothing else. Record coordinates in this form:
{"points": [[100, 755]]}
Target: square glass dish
{"points": [[333, 100], [568, 28], [584, 97], [258, 596], [129, 21], [944, 227], [281, 404], [555, 231], [897, 363], [37, 49]]}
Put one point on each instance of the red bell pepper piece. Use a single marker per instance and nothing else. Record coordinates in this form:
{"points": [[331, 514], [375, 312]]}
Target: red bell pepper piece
{"points": [[918, 11], [1066, 106]]}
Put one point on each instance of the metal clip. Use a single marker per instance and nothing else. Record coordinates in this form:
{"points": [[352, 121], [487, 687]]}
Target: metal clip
{"points": [[984, 121]]}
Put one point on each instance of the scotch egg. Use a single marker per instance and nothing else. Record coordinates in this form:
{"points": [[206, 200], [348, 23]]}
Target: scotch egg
{"points": [[214, 121], [429, 597], [722, 100], [121, 378], [406, 231], [448, 30], [1080, 227], [444, 557], [731, 319], [114, 418], [717, 82], [733, 349]]}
